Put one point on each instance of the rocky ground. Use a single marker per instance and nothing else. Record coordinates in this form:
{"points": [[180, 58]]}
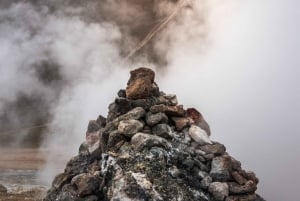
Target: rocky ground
{"points": [[151, 148]]}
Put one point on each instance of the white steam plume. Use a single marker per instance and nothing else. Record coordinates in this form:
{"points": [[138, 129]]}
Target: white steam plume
{"points": [[218, 66]]}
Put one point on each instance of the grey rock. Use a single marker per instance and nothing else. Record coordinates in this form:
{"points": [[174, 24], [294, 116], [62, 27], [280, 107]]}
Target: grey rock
{"points": [[219, 190], [130, 127], [248, 187], [141, 140], [153, 119], [135, 113], [83, 149], [216, 148], [93, 126], [199, 135], [220, 168], [101, 121], [162, 130], [171, 99], [205, 182], [86, 184]]}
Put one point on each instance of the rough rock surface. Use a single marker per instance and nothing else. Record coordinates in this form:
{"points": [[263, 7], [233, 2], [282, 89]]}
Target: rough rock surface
{"points": [[151, 148]]}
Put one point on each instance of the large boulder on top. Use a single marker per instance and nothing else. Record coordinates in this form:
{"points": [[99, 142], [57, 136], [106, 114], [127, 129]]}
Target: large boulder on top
{"points": [[141, 84]]}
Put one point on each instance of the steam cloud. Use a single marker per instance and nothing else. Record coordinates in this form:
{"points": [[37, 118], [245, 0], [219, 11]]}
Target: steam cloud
{"points": [[62, 62]]}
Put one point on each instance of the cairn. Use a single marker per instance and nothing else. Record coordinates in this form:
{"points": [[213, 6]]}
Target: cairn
{"points": [[150, 148]]}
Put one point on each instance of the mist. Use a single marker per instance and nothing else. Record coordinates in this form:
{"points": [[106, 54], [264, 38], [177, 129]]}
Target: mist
{"points": [[234, 61]]}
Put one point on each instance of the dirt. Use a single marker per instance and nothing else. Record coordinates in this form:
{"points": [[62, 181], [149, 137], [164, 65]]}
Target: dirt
{"points": [[18, 168], [32, 195]]}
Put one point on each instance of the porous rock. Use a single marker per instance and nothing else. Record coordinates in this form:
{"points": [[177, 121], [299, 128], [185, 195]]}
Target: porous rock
{"points": [[141, 84]]}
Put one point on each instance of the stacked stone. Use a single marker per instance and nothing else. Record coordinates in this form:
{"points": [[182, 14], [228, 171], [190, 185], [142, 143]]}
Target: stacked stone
{"points": [[151, 148]]}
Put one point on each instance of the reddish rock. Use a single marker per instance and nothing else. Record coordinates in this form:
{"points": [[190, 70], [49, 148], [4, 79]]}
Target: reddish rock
{"points": [[197, 118], [169, 110], [141, 84]]}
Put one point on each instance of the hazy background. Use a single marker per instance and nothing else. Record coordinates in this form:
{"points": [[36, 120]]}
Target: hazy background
{"points": [[61, 64]]}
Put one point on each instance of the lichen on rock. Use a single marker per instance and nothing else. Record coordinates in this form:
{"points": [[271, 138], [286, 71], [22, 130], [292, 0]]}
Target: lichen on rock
{"points": [[151, 148]]}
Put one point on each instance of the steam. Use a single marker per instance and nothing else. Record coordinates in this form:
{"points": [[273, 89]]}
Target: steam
{"points": [[63, 62]]}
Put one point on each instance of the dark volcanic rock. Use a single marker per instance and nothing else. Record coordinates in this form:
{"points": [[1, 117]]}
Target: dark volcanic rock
{"points": [[151, 148], [153, 119]]}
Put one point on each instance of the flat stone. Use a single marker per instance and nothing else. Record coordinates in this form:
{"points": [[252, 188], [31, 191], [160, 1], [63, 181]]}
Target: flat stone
{"points": [[199, 135], [162, 130], [86, 184], [141, 84], [181, 122], [220, 168], [141, 140], [248, 187], [169, 110], [153, 119], [130, 127], [216, 148], [219, 190], [135, 113]]}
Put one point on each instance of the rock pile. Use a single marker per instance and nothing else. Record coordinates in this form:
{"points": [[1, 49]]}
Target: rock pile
{"points": [[151, 148]]}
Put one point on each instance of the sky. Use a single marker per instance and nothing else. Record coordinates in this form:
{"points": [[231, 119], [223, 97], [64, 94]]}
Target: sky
{"points": [[235, 61]]}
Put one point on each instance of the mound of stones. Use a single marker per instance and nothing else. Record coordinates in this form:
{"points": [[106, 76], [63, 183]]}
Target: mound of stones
{"points": [[151, 148]]}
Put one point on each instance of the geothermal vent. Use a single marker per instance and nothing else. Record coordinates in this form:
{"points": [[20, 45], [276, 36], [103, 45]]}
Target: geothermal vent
{"points": [[151, 148]]}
